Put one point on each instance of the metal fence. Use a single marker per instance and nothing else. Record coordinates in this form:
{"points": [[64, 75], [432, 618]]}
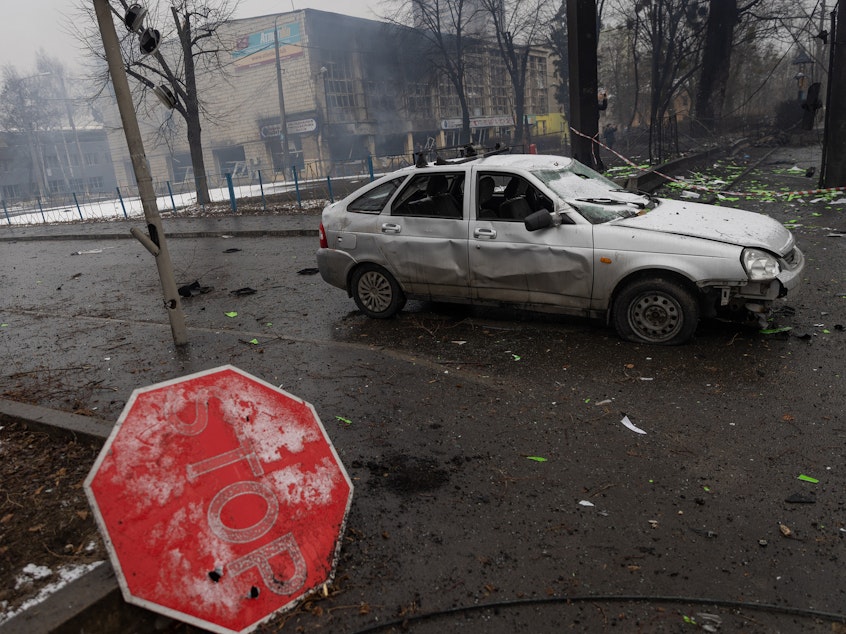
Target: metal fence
{"points": [[244, 191], [241, 191]]}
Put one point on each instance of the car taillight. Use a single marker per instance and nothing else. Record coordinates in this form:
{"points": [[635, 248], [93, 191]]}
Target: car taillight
{"points": [[324, 243]]}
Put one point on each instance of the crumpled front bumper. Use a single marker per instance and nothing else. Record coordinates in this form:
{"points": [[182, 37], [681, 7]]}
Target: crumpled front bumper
{"points": [[791, 271]]}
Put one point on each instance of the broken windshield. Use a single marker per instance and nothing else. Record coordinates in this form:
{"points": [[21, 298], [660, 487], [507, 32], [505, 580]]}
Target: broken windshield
{"points": [[597, 198]]}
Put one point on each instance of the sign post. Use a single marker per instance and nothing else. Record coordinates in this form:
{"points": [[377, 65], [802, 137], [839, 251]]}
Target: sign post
{"points": [[220, 498]]}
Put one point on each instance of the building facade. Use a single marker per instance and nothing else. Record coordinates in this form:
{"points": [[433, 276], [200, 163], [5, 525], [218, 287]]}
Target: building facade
{"points": [[352, 89], [55, 164]]}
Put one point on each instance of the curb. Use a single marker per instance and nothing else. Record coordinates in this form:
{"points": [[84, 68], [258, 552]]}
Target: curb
{"points": [[260, 233], [93, 602]]}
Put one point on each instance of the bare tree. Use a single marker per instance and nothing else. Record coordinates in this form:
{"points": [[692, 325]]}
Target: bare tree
{"points": [[723, 17], [29, 104], [518, 25], [191, 46], [669, 33], [557, 41], [449, 28], [730, 25]]}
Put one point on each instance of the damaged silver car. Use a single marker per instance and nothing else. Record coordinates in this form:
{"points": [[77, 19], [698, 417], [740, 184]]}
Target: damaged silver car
{"points": [[546, 233]]}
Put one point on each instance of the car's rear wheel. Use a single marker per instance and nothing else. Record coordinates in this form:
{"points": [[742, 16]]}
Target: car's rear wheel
{"points": [[656, 311], [376, 293]]}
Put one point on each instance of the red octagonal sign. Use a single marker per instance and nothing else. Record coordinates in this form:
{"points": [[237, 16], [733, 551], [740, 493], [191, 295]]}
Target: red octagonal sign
{"points": [[220, 498]]}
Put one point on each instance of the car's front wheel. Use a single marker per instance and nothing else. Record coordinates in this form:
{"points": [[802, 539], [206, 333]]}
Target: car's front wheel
{"points": [[376, 293], [656, 311]]}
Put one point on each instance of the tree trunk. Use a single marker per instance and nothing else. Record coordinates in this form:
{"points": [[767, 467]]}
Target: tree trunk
{"points": [[723, 17], [197, 161], [192, 111], [834, 150], [519, 115]]}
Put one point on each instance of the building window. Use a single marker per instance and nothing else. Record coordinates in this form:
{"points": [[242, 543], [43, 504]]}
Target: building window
{"points": [[12, 191], [537, 98], [418, 100], [341, 99], [92, 159], [500, 89], [95, 182], [448, 103]]}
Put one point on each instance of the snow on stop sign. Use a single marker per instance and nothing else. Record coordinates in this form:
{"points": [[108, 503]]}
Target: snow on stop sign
{"points": [[220, 498]]}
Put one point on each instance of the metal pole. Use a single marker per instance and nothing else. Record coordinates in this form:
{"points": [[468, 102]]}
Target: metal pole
{"points": [[231, 187], [584, 107], [283, 134], [78, 208], [261, 188], [827, 117], [123, 96], [123, 206]]}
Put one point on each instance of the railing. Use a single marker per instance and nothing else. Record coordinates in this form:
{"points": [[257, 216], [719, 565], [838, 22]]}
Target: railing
{"points": [[252, 191], [247, 191]]}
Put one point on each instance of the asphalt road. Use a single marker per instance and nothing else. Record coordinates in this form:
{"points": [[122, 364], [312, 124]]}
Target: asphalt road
{"points": [[449, 410]]}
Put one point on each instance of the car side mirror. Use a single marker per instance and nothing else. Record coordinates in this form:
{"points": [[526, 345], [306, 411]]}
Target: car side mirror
{"points": [[538, 220]]}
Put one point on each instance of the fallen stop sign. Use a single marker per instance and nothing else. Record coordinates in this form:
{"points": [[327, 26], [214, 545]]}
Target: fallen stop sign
{"points": [[220, 498]]}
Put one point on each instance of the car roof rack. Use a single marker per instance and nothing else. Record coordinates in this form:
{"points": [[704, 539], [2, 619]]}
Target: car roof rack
{"points": [[468, 152]]}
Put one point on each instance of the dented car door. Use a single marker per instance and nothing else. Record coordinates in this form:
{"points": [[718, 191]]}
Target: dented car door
{"points": [[423, 237], [511, 264]]}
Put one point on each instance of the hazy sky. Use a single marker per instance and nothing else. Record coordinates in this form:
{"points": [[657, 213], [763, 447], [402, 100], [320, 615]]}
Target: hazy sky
{"points": [[28, 25]]}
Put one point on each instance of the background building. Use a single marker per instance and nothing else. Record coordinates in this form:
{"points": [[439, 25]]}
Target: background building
{"points": [[353, 89], [54, 164]]}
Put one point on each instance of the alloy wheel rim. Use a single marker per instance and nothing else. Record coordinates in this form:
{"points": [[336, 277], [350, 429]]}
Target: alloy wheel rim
{"points": [[375, 291]]}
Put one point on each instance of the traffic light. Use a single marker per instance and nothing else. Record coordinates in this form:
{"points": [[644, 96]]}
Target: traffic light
{"points": [[150, 39], [134, 17], [134, 20]]}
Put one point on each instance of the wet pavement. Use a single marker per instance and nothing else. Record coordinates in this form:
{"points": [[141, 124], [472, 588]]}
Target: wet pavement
{"points": [[497, 489]]}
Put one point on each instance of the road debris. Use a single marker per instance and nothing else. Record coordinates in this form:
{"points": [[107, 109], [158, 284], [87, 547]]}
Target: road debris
{"points": [[629, 425], [193, 289], [800, 498]]}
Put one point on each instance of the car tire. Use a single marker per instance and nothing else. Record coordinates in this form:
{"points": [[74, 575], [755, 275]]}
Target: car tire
{"points": [[656, 311], [376, 293]]}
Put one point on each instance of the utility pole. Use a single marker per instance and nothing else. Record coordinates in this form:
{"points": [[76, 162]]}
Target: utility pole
{"points": [[584, 106], [833, 171], [155, 241]]}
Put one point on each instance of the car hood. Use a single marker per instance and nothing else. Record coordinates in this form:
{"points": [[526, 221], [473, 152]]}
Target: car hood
{"points": [[733, 226]]}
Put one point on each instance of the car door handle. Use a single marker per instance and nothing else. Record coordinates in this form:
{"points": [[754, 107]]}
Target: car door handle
{"points": [[390, 227], [487, 234]]}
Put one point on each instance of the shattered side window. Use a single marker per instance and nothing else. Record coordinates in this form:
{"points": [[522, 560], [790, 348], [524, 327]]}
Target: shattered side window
{"points": [[375, 200], [431, 195]]}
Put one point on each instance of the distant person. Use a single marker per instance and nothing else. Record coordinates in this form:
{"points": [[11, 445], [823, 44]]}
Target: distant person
{"points": [[609, 132]]}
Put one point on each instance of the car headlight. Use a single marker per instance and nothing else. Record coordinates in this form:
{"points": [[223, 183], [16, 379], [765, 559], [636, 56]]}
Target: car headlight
{"points": [[759, 265]]}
